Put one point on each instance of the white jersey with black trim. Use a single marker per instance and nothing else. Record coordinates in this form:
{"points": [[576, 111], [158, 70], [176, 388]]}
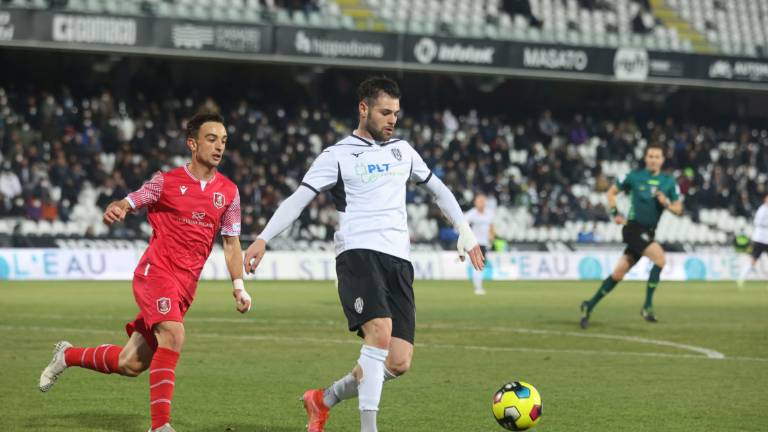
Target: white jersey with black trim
{"points": [[760, 234], [367, 181], [481, 224]]}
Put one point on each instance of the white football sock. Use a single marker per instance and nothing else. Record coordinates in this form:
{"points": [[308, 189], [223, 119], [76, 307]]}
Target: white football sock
{"points": [[745, 272], [346, 388], [368, 421], [371, 361], [477, 280], [388, 375]]}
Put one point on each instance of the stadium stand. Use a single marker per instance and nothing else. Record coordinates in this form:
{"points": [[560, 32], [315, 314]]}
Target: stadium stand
{"points": [[64, 157], [731, 27]]}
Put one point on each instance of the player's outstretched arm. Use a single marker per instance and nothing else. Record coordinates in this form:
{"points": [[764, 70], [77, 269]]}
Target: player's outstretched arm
{"points": [[116, 211], [612, 193], [233, 255], [467, 243], [148, 193], [288, 211]]}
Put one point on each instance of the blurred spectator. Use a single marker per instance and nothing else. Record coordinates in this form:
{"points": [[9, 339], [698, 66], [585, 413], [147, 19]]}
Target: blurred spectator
{"points": [[522, 8], [68, 156], [547, 126], [10, 188], [643, 20]]}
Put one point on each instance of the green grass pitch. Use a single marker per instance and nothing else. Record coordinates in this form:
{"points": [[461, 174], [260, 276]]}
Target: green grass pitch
{"points": [[246, 373]]}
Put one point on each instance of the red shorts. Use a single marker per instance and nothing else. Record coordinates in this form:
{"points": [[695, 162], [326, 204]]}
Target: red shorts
{"points": [[159, 297]]}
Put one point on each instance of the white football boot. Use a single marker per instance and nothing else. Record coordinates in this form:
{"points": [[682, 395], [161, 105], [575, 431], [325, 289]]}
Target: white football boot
{"points": [[55, 367], [164, 428]]}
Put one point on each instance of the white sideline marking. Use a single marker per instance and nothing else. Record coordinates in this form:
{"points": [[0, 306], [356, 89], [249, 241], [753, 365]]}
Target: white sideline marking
{"points": [[710, 353], [706, 351], [354, 341]]}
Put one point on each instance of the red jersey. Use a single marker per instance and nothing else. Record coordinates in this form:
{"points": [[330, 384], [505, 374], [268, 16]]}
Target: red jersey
{"points": [[185, 214]]}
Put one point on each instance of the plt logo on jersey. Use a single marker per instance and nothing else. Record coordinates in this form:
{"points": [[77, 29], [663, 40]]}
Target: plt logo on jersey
{"points": [[380, 168], [372, 172]]}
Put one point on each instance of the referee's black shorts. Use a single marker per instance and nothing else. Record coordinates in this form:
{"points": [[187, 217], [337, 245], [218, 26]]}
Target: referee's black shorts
{"points": [[377, 285], [637, 237], [758, 249]]}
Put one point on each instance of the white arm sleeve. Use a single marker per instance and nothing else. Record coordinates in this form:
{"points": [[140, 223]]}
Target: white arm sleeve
{"points": [[288, 211], [446, 201]]}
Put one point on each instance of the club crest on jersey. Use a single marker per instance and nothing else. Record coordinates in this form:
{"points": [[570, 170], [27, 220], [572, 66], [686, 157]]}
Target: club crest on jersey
{"points": [[183, 189], [218, 199], [163, 305], [396, 153]]}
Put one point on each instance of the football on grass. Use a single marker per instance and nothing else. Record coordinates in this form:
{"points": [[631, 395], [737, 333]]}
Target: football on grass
{"points": [[517, 406]]}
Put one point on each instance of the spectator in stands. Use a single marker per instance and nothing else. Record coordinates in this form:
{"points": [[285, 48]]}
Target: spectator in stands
{"points": [[270, 147], [547, 125], [643, 20], [522, 8], [578, 132], [10, 188], [50, 210]]}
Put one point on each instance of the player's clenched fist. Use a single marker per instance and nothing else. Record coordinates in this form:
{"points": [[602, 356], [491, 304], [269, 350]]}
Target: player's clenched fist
{"points": [[242, 298], [254, 254], [115, 212], [662, 199]]}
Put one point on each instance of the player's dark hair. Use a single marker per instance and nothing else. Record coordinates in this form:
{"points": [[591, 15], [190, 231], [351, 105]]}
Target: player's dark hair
{"points": [[196, 122], [373, 87], [654, 146]]}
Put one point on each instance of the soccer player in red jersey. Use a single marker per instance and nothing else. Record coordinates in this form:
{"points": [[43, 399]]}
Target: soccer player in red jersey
{"points": [[186, 206]]}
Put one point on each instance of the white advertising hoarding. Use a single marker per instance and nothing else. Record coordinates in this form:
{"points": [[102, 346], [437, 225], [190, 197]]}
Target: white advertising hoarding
{"points": [[118, 264]]}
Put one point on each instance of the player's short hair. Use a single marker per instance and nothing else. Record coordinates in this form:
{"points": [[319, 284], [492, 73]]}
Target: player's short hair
{"points": [[654, 146], [374, 86], [198, 120]]}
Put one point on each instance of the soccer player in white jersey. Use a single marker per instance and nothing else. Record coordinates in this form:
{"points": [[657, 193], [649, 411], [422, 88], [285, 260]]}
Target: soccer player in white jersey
{"points": [[480, 218], [366, 174], [759, 240]]}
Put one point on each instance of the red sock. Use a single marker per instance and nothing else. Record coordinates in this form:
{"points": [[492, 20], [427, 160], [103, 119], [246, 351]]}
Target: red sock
{"points": [[103, 358], [162, 378]]}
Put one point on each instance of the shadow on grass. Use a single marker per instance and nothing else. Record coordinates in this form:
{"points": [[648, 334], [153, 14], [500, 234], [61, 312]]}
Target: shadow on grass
{"points": [[239, 427], [98, 420], [102, 421]]}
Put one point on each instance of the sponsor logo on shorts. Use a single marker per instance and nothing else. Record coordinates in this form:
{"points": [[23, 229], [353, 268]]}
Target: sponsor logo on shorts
{"points": [[359, 305], [163, 305], [645, 237], [218, 199]]}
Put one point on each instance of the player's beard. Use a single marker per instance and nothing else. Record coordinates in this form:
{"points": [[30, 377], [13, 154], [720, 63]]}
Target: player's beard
{"points": [[376, 134]]}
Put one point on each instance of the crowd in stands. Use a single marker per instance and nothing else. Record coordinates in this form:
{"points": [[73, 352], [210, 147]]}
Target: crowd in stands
{"points": [[52, 144]]}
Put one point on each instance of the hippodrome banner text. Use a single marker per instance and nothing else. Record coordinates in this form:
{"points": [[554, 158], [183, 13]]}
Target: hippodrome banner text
{"points": [[118, 264]]}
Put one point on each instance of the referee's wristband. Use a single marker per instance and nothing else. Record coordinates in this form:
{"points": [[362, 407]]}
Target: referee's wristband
{"points": [[238, 285], [614, 211]]}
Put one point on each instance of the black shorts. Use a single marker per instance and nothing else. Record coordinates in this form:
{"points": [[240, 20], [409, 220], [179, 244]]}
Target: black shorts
{"points": [[758, 249], [637, 237], [484, 250], [377, 285]]}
